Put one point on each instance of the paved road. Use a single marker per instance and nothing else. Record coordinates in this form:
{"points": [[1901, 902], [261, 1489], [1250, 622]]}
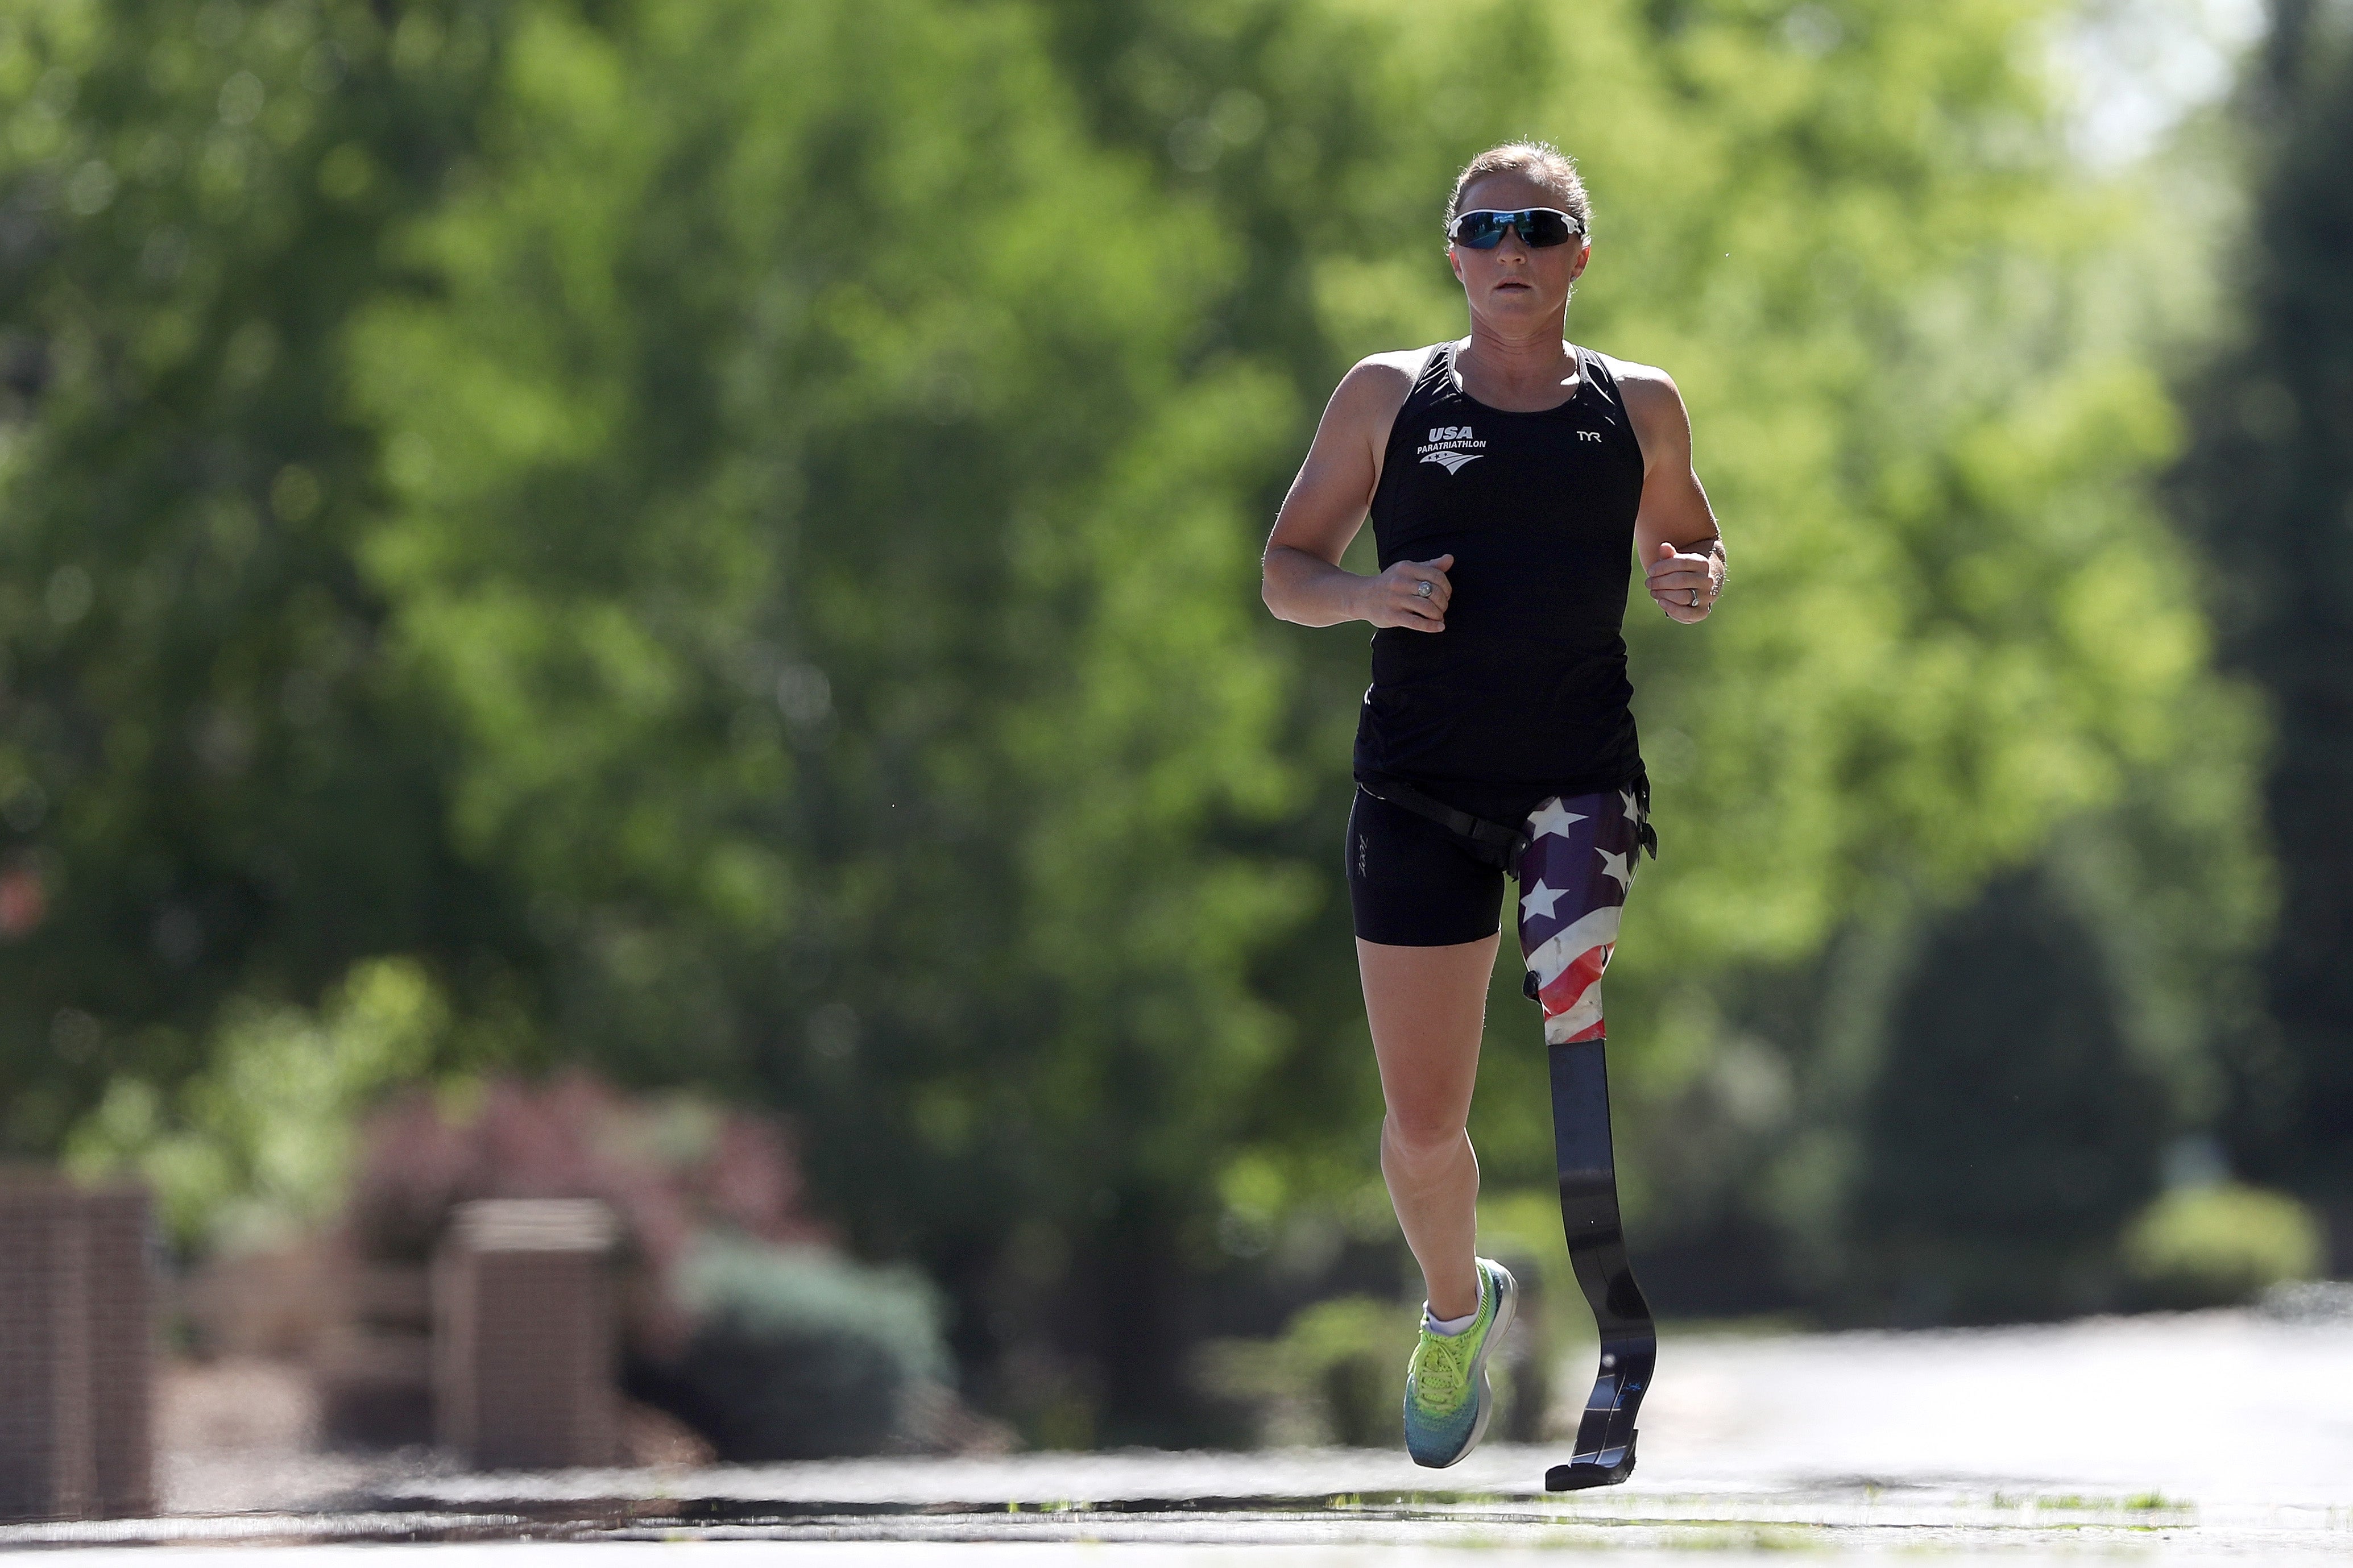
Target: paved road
{"points": [[2206, 1438]]}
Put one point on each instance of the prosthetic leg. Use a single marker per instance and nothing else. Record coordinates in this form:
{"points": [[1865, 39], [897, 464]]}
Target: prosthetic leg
{"points": [[1575, 875], [1576, 858]]}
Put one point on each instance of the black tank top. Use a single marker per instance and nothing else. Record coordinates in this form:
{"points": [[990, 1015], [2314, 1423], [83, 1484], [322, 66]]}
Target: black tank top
{"points": [[1524, 693]]}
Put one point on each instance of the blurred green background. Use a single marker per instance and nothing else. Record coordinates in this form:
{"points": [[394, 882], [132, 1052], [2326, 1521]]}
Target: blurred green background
{"points": [[714, 542]]}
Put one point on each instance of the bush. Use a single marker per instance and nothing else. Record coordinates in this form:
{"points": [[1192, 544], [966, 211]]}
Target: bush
{"points": [[671, 1166], [798, 1353], [739, 1318], [2220, 1246], [1334, 1377], [2011, 1131], [257, 1149]]}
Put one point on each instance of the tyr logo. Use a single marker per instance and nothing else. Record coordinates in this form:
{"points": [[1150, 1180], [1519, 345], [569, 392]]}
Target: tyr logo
{"points": [[1588, 435]]}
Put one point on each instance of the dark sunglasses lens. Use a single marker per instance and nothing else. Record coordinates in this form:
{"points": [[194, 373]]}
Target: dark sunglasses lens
{"points": [[1480, 231], [1541, 228]]}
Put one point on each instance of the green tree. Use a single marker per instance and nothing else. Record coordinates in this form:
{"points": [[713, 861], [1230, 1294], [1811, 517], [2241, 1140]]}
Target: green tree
{"points": [[2268, 487], [210, 784], [727, 532], [803, 505], [1922, 353]]}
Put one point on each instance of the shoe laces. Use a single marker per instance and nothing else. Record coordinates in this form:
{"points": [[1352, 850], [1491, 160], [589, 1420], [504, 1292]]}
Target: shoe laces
{"points": [[1443, 1370]]}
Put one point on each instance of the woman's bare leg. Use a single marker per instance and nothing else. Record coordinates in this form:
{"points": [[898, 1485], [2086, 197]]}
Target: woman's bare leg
{"points": [[1428, 1006]]}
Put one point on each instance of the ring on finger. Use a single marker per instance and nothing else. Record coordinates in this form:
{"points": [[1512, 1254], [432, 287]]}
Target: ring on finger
{"points": [[1423, 589], [1694, 599]]}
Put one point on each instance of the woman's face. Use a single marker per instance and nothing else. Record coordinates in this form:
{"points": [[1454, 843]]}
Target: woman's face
{"points": [[1511, 287]]}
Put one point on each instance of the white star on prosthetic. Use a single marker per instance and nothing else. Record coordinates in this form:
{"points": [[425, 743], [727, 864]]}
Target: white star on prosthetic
{"points": [[1552, 817], [1539, 900], [1614, 865]]}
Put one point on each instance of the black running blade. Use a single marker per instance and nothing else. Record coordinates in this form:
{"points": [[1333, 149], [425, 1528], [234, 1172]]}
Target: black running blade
{"points": [[1604, 1454], [1581, 1473]]}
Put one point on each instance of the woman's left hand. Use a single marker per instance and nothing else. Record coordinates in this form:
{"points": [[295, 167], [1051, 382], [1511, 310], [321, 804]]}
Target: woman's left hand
{"points": [[1682, 585]]}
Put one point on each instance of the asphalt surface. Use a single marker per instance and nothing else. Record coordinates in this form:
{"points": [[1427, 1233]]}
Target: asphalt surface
{"points": [[2224, 1437]]}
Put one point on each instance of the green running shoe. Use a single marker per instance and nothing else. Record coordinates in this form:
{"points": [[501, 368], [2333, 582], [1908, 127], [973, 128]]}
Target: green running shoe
{"points": [[1447, 1400]]}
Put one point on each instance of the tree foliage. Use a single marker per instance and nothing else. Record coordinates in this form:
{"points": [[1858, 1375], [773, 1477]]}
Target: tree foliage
{"points": [[2268, 487], [845, 596], [213, 785], [725, 533], [1919, 346]]}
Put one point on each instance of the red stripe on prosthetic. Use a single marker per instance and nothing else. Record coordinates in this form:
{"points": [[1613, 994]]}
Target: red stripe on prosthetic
{"points": [[1571, 984]]}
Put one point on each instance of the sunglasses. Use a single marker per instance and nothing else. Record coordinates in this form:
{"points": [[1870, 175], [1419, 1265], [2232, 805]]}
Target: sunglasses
{"points": [[1538, 227]]}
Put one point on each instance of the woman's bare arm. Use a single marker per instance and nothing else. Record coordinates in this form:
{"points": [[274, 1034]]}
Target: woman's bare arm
{"points": [[1303, 578], [1675, 532]]}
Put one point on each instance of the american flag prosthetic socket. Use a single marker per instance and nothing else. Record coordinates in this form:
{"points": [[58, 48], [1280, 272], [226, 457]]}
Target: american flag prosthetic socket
{"points": [[1574, 879]]}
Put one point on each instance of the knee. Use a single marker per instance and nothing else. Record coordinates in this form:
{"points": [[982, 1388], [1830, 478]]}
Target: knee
{"points": [[1421, 1136]]}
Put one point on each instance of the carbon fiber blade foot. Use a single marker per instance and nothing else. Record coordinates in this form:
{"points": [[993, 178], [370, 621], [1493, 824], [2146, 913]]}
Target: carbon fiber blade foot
{"points": [[1579, 1474]]}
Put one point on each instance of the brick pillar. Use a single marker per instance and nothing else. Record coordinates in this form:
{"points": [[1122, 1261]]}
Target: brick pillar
{"points": [[47, 1467], [525, 1359], [121, 1350], [77, 1351]]}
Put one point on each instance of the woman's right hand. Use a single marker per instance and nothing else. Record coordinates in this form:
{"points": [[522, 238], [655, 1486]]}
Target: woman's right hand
{"points": [[1396, 597]]}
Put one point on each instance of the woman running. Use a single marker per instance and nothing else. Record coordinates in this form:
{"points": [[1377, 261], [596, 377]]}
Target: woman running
{"points": [[1511, 477]]}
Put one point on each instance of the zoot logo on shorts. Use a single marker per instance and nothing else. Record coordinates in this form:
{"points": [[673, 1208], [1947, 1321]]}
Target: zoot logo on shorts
{"points": [[1451, 446]]}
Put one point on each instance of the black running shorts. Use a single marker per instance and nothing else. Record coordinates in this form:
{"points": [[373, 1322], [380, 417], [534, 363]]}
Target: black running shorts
{"points": [[1413, 883]]}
